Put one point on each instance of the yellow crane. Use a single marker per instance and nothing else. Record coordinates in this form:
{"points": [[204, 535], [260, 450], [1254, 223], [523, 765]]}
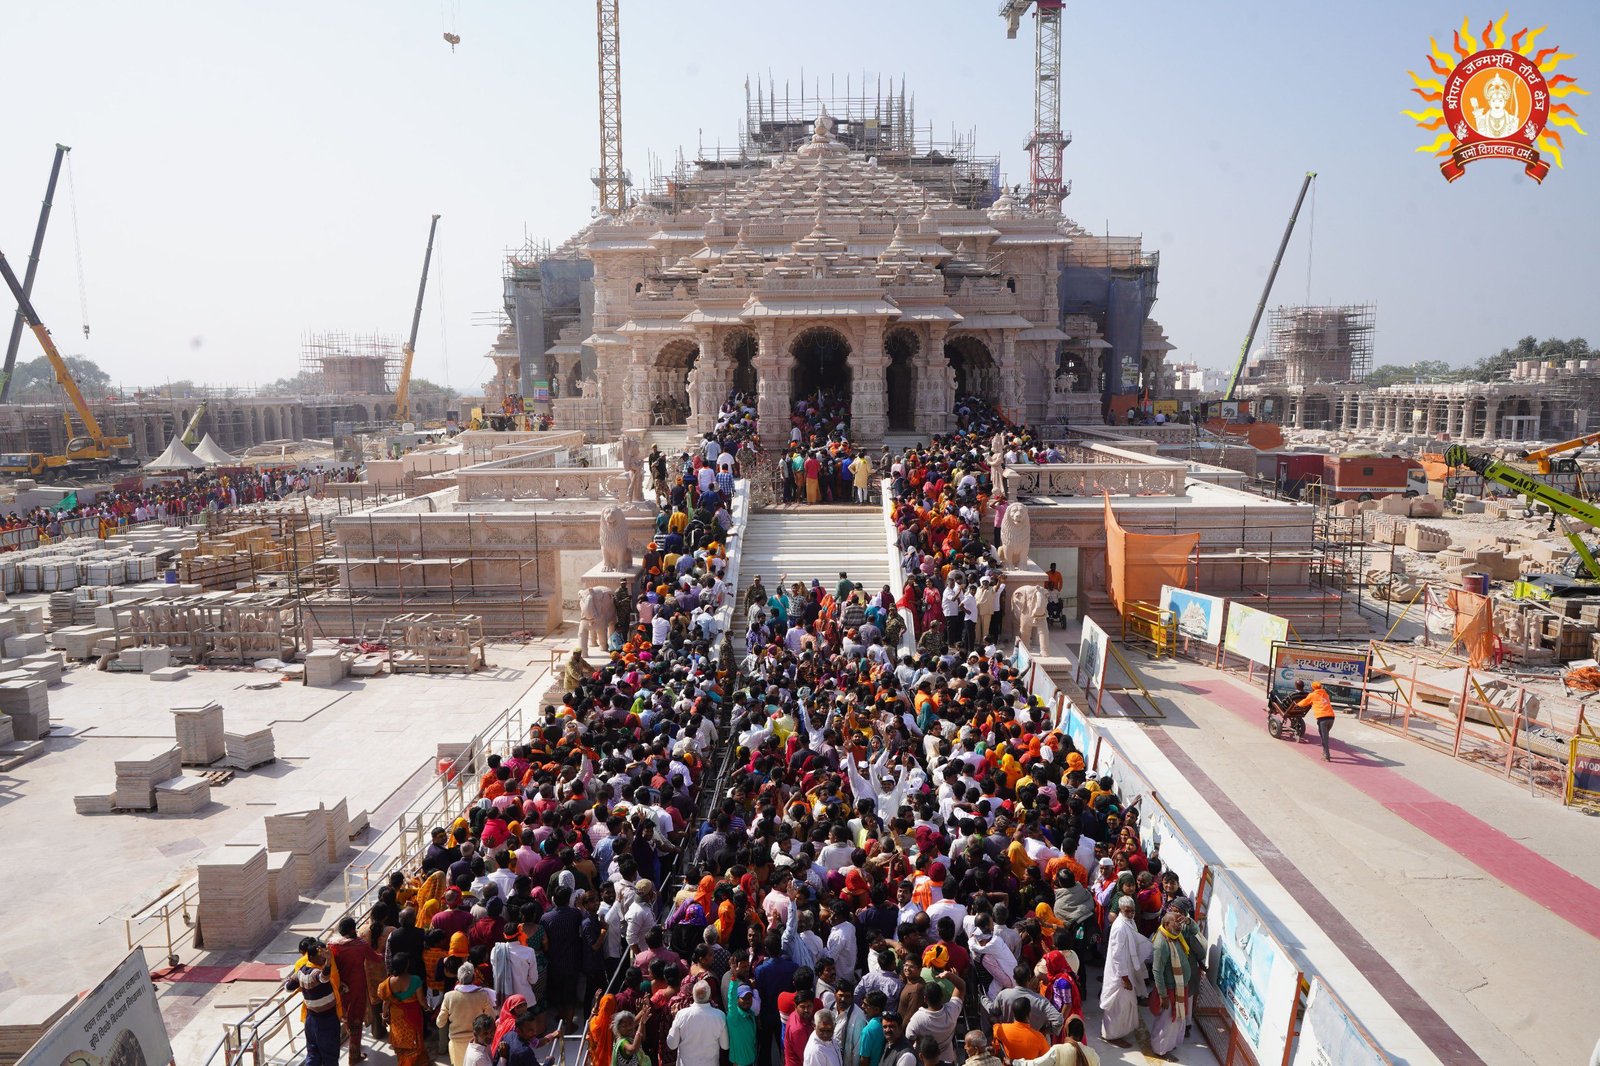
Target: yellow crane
{"points": [[1541, 456], [402, 392], [94, 449], [191, 432]]}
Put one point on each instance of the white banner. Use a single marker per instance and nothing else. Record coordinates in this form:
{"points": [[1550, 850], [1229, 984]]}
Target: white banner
{"points": [[1251, 634], [1199, 615], [1258, 981], [1329, 1037], [119, 1022]]}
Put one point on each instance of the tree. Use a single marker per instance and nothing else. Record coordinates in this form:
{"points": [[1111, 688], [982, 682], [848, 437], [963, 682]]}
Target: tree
{"points": [[1422, 370], [35, 380]]}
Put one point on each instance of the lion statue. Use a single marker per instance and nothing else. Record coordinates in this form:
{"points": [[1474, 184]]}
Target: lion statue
{"points": [[1027, 606], [597, 612], [1014, 537], [615, 552]]}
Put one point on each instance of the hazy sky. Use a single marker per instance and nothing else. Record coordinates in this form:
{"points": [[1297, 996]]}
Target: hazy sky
{"points": [[248, 172]]}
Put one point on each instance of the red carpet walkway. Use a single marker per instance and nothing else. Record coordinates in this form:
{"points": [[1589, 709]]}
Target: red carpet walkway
{"points": [[1566, 895]]}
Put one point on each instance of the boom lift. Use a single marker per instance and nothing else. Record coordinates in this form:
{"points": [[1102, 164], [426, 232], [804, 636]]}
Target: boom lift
{"points": [[402, 392], [1568, 508], [94, 450], [1541, 456], [191, 432]]}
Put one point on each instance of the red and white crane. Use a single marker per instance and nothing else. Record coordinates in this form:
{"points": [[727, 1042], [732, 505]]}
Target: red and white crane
{"points": [[1046, 187]]}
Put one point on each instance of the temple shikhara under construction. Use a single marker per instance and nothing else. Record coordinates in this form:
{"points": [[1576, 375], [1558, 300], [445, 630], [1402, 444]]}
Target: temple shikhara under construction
{"points": [[836, 250]]}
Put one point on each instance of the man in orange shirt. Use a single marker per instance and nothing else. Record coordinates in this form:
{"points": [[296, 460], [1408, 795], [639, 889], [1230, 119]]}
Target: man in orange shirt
{"points": [[1017, 1039], [1322, 709]]}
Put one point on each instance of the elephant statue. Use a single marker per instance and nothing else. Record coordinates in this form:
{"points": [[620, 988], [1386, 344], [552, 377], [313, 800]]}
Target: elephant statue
{"points": [[1027, 606], [597, 613]]}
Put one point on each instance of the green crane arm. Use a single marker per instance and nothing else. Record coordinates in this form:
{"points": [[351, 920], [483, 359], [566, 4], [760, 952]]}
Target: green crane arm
{"points": [[1525, 483], [1534, 489]]}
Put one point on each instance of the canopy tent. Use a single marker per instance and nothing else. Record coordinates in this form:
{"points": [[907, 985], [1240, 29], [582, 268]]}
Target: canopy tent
{"points": [[210, 452], [176, 457]]}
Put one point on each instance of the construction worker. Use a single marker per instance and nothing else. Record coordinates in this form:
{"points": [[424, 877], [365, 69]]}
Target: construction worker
{"points": [[1322, 709]]}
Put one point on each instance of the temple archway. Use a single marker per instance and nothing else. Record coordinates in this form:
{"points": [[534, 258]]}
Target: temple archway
{"points": [[976, 371], [900, 377], [821, 361], [742, 348], [669, 382]]}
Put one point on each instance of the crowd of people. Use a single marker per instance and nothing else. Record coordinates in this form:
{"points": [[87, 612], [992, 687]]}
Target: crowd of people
{"points": [[820, 465], [900, 862], [177, 497]]}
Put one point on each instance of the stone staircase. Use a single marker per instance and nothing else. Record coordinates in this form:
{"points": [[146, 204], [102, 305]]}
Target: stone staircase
{"points": [[805, 542]]}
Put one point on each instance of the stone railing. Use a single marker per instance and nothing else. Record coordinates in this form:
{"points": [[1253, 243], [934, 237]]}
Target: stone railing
{"points": [[528, 477], [1107, 469]]}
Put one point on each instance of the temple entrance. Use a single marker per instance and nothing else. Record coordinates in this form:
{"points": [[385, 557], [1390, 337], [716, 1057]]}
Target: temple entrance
{"points": [[821, 361], [669, 383], [976, 371], [742, 349], [900, 377]]}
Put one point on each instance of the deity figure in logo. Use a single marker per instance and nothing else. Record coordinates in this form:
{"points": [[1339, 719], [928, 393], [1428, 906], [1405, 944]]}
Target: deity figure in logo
{"points": [[1499, 119]]}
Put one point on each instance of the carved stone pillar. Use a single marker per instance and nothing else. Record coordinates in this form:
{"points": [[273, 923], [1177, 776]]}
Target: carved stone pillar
{"points": [[868, 387], [935, 384], [772, 390], [1011, 395], [636, 401]]}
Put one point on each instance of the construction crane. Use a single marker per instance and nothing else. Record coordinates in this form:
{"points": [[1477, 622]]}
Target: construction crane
{"points": [[1266, 290], [29, 271], [94, 449], [402, 392], [191, 432], [1541, 456], [610, 179], [1047, 143], [1561, 505]]}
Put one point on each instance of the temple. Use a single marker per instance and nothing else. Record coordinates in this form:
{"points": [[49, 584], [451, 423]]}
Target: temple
{"points": [[832, 259]]}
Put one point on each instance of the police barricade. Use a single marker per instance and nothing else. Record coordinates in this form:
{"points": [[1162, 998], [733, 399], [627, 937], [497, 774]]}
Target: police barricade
{"points": [[19, 539]]}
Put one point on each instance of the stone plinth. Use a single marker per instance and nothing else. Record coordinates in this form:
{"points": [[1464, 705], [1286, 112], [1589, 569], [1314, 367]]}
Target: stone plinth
{"points": [[599, 575]]}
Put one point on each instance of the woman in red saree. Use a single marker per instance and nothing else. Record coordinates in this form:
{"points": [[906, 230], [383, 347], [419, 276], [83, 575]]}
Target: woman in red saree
{"points": [[401, 995]]}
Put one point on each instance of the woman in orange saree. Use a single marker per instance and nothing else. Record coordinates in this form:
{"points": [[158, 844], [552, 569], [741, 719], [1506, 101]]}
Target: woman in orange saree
{"points": [[401, 995]]}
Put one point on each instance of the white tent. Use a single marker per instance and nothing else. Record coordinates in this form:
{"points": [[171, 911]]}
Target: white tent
{"points": [[176, 457], [210, 452]]}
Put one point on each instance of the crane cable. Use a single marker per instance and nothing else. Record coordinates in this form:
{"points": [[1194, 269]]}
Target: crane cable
{"points": [[77, 251], [444, 337], [1311, 238]]}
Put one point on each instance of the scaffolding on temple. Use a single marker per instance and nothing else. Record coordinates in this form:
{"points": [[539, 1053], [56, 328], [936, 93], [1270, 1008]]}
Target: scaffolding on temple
{"points": [[366, 364], [1313, 344], [877, 117]]}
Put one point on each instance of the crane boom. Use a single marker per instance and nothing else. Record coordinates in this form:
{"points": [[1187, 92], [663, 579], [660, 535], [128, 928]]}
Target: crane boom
{"points": [[29, 271], [1266, 290], [1047, 142], [1542, 456], [191, 432], [91, 425], [610, 179], [1535, 490], [402, 392]]}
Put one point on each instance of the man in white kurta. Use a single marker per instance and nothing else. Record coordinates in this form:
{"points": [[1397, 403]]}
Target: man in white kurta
{"points": [[1122, 989]]}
